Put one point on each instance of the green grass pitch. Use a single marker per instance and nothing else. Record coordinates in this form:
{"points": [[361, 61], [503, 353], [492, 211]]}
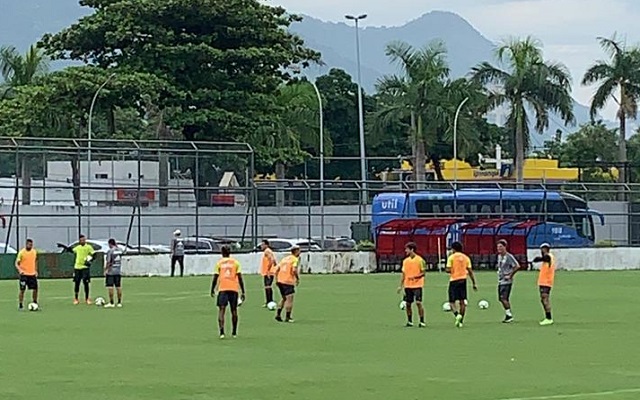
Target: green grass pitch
{"points": [[348, 342]]}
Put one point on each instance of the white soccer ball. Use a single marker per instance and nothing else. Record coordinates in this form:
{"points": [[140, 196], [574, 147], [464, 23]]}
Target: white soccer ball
{"points": [[403, 305], [483, 304], [446, 307], [33, 307], [240, 302], [272, 305], [466, 303], [100, 302]]}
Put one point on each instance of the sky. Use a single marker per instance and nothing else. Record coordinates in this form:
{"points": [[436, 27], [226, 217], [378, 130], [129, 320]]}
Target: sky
{"points": [[568, 28]]}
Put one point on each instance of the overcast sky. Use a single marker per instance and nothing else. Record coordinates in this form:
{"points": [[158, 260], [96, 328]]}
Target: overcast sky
{"points": [[568, 28]]}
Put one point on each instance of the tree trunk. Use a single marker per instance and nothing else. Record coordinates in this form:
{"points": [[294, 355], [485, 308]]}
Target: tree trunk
{"points": [[437, 168], [163, 178], [622, 149], [25, 174], [518, 162], [420, 157], [280, 171], [414, 143]]}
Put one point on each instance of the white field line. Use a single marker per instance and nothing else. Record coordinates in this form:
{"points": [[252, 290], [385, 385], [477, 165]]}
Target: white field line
{"points": [[577, 395]]}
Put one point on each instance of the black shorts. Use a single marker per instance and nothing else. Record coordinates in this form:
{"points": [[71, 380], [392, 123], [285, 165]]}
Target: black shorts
{"points": [[82, 275], [28, 282], [228, 298], [113, 281], [545, 290], [413, 294], [504, 291], [268, 280], [286, 290], [457, 290]]}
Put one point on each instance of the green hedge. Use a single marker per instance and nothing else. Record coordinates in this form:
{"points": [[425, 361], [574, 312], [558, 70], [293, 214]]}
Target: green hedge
{"points": [[50, 265]]}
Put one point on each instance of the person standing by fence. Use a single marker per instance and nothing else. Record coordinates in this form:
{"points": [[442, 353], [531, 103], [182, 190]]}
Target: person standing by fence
{"points": [[177, 252]]}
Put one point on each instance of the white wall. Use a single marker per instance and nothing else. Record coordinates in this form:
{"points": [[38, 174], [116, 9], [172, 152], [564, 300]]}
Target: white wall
{"points": [[316, 263], [594, 259]]}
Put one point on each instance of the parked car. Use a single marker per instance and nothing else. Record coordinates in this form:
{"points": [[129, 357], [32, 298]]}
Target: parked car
{"points": [[154, 249], [281, 244], [5, 249], [341, 243], [101, 246], [221, 241], [200, 245]]}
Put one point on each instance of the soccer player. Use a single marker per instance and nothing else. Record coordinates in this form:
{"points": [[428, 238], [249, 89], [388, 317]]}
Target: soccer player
{"points": [[26, 264], [82, 272], [227, 281], [177, 253], [412, 281], [507, 268], [287, 278], [112, 272], [545, 280], [459, 266], [267, 265]]}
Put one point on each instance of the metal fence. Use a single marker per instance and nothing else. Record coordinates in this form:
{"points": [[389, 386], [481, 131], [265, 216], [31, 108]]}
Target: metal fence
{"points": [[141, 191]]}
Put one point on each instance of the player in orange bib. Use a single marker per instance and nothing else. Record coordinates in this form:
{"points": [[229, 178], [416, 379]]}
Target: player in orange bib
{"points": [[545, 280], [267, 268], [412, 281], [26, 264], [459, 266], [227, 281], [287, 278]]}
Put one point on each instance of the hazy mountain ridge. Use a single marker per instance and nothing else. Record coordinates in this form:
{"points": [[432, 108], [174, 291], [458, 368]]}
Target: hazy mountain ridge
{"points": [[24, 22]]}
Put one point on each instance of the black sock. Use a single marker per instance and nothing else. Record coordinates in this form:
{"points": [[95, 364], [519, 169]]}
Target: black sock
{"points": [[21, 306], [548, 314], [235, 327], [86, 290], [410, 319], [455, 313], [422, 320], [269, 294], [288, 315], [279, 312]]}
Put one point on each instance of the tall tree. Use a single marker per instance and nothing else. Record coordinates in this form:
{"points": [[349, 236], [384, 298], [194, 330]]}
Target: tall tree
{"points": [[20, 70], [617, 79], [409, 98], [225, 59], [524, 81]]}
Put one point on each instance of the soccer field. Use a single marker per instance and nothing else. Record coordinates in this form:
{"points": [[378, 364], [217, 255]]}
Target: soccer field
{"points": [[348, 342]]}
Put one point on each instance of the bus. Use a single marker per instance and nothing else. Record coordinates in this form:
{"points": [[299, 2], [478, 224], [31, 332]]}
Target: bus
{"points": [[566, 220]]}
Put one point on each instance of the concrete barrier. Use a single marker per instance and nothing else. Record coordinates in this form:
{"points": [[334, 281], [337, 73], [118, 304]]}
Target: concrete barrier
{"points": [[591, 259], [315, 263]]}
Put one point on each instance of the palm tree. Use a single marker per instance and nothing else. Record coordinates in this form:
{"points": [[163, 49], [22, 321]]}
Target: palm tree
{"points": [[527, 82], [412, 97], [21, 70], [617, 79]]}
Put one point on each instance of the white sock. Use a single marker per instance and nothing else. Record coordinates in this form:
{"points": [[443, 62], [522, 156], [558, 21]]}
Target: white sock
{"points": [[508, 312]]}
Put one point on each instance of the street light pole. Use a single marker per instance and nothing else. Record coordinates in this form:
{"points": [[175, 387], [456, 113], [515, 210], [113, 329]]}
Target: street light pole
{"points": [[90, 136], [363, 160], [455, 143], [321, 161]]}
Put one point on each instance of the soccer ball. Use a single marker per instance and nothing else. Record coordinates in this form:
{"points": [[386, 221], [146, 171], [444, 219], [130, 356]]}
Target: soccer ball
{"points": [[100, 302], [33, 307], [403, 305], [483, 304], [272, 305], [466, 303], [446, 307], [240, 302]]}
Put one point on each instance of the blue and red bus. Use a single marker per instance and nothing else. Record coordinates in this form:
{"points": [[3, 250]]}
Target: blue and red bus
{"points": [[566, 219]]}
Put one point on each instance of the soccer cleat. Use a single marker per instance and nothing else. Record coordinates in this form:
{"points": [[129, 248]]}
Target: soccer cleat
{"points": [[422, 325], [546, 322], [89, 302], [459, 321], [222, 336], [507, 320], [76, 302], [279, 319], [409, 325], [110, 305], [290, 320], [119, 305]]}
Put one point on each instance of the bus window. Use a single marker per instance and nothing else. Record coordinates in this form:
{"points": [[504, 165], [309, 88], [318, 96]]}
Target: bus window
{"points": [[558, 212]]}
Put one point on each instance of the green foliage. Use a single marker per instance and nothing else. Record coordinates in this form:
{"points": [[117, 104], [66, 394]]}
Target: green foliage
{"points": [[20, 70], [223, 61], [527, 82], [365, 245]]}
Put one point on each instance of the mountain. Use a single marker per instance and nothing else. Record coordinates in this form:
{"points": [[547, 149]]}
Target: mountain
{"points": [[23, 22], [466, 48]]}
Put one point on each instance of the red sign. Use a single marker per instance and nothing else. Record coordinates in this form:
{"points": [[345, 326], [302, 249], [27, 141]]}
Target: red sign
{"points": [[130, 195]]}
